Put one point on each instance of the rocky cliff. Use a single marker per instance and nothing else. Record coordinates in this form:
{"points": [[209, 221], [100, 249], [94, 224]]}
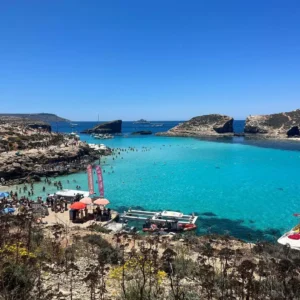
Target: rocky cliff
{"points": [[281, 125], [207, 125], [29, 148], [16, 167], [108, 127]]}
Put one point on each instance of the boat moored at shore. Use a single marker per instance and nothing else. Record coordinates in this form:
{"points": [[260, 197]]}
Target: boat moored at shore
{"points": [[102, 136], [291, 238], [163, 221]]}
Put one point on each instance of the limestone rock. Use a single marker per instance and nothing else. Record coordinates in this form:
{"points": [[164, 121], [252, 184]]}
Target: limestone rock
{"points": [[25, 122], [281, 125], [206, 125], [108, 127]]}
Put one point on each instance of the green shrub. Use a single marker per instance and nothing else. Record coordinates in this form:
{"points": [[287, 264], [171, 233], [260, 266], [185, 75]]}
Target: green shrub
{"points": [[98, 228], [106, 252], [17, 280]]}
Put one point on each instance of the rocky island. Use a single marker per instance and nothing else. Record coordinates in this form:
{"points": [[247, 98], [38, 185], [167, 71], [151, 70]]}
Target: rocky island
{"points": [[206, 125], [280, 125], [107, 127]]}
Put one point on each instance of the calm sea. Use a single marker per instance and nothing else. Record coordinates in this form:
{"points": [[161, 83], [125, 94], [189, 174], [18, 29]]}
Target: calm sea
{"points": [[248, 188]]}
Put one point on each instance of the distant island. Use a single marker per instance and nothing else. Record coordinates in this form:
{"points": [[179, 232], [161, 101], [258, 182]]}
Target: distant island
{"points": [[45, 117]]}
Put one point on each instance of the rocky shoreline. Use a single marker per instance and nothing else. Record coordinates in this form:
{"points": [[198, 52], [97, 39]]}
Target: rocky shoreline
{"points": [[53, 161], [29, 150]]}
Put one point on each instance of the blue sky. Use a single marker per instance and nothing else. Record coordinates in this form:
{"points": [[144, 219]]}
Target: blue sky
{"points": [[153, 59]]}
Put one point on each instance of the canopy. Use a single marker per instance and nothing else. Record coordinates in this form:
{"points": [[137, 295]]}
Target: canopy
{"points": [[2, 194], [86, 200], [101, 201], [78, 205]]}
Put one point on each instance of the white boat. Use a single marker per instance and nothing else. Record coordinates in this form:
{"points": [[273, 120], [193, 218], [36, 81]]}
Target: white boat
{"points": [[291, 238], [98, 146], [157, 125], [103, 136], [69, 194]]}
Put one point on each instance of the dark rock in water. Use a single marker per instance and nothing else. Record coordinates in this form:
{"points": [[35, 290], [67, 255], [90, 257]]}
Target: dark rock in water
{"points": [[108, 127], [238, 134], [142, 132], [36, 178], [281, 125], [273, 232], [240, 221], [207, 125], [208, 214]]}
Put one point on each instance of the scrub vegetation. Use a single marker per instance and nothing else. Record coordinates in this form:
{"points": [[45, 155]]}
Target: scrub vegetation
{"points": [[58, 262]]}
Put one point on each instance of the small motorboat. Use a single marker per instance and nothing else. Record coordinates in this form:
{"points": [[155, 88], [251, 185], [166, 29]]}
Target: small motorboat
{"points": [[291, 238]]}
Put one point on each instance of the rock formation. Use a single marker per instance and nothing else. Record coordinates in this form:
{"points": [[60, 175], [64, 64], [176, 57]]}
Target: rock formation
{"points": [[108, 127], [207, 125], [53, 160], [142, 132], [281, 125], [23, 123], [29, 148]]}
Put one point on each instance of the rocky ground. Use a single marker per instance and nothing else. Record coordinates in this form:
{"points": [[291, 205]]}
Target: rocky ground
{"points": [[57, 282], [200, 261]]}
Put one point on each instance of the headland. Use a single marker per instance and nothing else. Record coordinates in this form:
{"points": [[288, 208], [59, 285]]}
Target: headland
{"points": [[29, 149]]}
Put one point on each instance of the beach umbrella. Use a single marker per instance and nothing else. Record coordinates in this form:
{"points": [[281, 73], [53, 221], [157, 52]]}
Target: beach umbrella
{"points": [[86, 200], [9, 210], [78, 205], [101, 201], [2, 194]]}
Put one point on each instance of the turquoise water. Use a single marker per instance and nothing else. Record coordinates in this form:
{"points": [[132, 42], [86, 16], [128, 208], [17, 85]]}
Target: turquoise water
{"points": [[251, 192]]}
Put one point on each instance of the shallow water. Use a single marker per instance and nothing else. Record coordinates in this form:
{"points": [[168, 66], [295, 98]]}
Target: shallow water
{"points": [[249, 191]]}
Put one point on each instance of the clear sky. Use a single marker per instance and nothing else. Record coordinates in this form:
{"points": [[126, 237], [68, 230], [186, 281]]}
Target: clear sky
{"points": [[152, 59]]}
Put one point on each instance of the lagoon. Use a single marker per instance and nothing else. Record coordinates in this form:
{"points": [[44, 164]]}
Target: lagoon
{"points": [[249, 189]]}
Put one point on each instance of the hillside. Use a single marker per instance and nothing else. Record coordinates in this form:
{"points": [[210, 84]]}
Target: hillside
{"points": [[45, 117]]}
